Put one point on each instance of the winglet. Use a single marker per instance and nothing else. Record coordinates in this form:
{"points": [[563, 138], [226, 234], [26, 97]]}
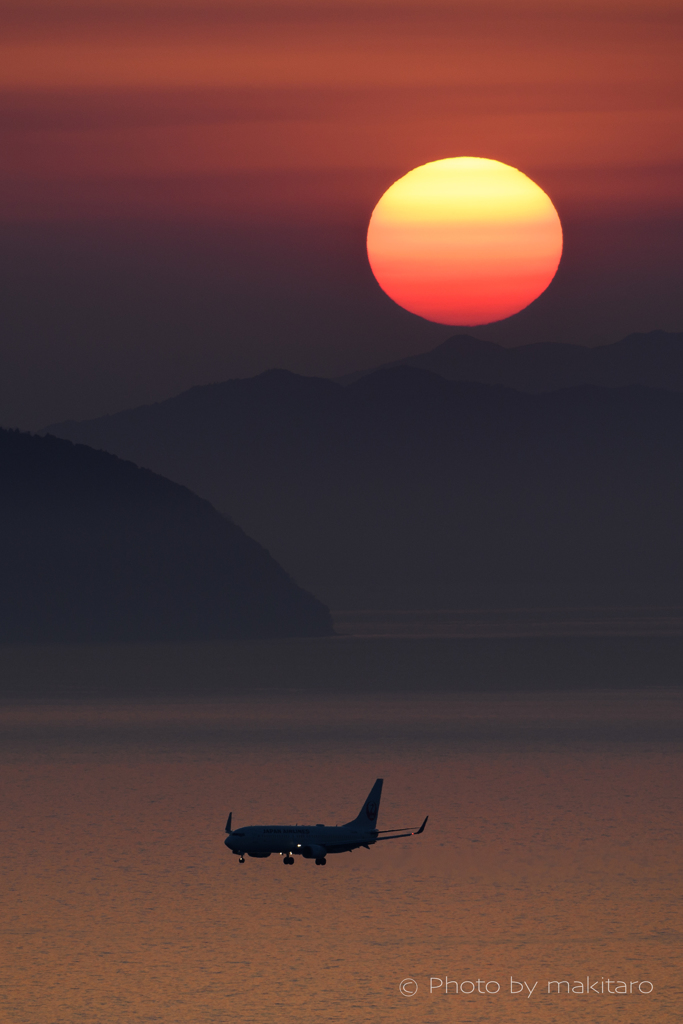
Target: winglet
{"points": [[228, 827], [422, 827]]}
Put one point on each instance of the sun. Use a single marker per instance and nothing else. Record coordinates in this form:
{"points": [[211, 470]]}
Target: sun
{"points": [[464, 241]]}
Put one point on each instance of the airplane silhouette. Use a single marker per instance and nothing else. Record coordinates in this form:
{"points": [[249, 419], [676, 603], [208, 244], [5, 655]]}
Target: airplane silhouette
{"points": [[314, 842]]}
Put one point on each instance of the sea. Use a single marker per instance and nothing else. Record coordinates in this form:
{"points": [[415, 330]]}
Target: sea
{"points": [[546, 748]]}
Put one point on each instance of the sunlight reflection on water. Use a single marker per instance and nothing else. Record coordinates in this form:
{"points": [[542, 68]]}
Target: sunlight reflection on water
{"points": [[552, 852]]}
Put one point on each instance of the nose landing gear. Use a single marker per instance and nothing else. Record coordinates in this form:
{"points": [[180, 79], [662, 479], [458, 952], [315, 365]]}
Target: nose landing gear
{"points": [[242, 860], [288, 860]]}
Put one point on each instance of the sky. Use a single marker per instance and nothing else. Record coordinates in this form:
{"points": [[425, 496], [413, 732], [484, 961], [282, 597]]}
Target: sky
{"points": [[185, 188]]}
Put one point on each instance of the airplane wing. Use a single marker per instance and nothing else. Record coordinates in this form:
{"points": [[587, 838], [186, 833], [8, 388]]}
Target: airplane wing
{"points": [[403, 835]]}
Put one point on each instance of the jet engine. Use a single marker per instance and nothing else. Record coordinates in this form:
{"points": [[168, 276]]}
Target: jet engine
{"points": [[313, 852]]}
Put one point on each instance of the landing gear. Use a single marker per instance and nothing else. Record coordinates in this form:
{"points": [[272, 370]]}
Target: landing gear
{"points": [[288, 860], [321, 861], [241, 860]]}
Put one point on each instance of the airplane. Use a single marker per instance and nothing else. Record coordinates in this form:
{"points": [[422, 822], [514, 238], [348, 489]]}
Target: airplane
{"points": [[314, 842]]}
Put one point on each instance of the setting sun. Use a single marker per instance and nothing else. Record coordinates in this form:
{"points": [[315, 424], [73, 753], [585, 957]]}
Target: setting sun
{"points": [[464, 241]]}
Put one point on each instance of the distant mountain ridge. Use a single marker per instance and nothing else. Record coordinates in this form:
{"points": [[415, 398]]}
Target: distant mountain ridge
{"points": [[407, 490], [653, 360], [94, 548]]}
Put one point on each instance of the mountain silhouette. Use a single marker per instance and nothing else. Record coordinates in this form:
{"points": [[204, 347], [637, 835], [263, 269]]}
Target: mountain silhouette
{"points": [[406, 490], [94, 548], [653, 360]]}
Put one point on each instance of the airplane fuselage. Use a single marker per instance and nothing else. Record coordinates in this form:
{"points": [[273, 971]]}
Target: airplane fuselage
{"points": [[261, 841]]}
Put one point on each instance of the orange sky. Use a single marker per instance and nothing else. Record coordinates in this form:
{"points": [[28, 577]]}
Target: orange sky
{"points": [[112, 95]]}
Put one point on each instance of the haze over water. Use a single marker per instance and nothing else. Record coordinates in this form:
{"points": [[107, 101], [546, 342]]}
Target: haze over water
{"points": [[552, 850]]}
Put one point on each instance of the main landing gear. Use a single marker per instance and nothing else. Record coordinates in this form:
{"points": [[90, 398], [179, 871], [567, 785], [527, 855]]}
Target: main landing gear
{"points": [[321, 862], [288, 860]]}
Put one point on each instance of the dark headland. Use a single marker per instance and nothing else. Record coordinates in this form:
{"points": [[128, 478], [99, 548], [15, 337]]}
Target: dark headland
{"points": [[94, 548]]}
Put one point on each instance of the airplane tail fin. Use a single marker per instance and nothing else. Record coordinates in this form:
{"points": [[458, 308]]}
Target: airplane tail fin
{"points": [[367, 819]]}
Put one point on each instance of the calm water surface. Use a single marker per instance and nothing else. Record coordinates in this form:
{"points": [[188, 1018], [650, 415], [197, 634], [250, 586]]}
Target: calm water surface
{"points": [[553, 849]]}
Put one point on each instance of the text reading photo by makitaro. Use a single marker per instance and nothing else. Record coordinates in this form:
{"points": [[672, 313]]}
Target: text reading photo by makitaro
{"points": [[314, 842]]}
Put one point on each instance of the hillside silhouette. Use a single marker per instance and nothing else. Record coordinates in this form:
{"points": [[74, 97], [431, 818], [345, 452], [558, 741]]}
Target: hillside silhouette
{"points": [[94, 548], [654, 360], [406, 490]]}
